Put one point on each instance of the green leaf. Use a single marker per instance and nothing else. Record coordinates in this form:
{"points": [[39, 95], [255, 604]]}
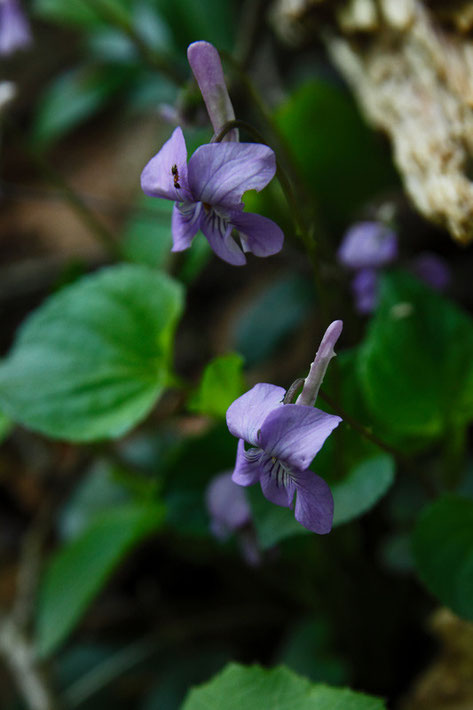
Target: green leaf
{"points": [[443, 552], [222, 382], [93, 359], [73, 97], [289, 300], [341, 161], [147, 238], [79, 12], [416, 364], [256, 688], [365, 484], [211, 20], [80, 569], [273, 523]]}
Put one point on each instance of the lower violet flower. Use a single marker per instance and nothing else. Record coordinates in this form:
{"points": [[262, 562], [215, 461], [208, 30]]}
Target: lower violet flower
{"points": [[208, 195], [284, 438]]}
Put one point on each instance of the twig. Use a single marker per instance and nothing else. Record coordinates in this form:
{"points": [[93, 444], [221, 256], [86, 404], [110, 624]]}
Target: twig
{"points": [[19, 655]]}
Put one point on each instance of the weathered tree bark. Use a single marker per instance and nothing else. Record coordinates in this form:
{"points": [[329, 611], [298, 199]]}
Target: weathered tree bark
{"points": [[410, 65]]}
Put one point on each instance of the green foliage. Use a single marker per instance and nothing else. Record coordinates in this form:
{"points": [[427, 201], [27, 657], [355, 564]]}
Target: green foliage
{"points": [[222, 382], [79, 570], [289, 300], [73, 97], [308, 651], [416, 363], [210, 20], [94, 358], [147, 238], [443, 552], [341, 161], [79, 12], [273, 523], [362, 488], [255, 688]]}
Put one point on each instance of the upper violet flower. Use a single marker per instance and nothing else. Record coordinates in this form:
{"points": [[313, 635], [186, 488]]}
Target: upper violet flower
{"points": [[284, 438], [14, 27], [208, 195], [368, 245]]}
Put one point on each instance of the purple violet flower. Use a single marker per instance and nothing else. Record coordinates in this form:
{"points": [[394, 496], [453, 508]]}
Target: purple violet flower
{"points": [[14, 27], [206, 66], [227, 505], [368, 245], [208, 195], [365, 286], [284, 438], [433, 270]]}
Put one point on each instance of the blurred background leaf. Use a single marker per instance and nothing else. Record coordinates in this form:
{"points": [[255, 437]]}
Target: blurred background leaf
{"points": [[80, 568], [93, 359]]}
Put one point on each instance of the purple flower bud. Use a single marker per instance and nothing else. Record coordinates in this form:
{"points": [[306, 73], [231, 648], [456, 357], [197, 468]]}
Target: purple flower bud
{"points": [[367, 245], [207, 69], [227, 506], [318, 368], [433, 270], [14, 27], [365, 290]]}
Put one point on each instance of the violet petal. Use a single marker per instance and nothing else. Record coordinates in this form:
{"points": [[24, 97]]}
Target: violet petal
{"points": [[166, 174], [365, 290], [433, 270], [368, 245], [227, 504], [218, 231], [294, 433], [219, 173], [274, 490], [258, 234], [247, 469], [246, 415], [185, 224], [314, 503], [207, 69]]}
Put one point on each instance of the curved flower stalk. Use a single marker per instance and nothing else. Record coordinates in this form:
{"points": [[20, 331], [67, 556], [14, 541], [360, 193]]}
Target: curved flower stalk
{"points": [[206, 66], [208, 195], [14, 27], [284, 439]]}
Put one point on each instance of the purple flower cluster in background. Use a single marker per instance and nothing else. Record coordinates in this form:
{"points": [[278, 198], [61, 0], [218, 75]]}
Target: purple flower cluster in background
{"points": [[367, 247], [14, 27]]}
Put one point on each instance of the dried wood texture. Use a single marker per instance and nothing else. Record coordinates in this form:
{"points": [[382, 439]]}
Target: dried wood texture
{"points": [[410, 64]]}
